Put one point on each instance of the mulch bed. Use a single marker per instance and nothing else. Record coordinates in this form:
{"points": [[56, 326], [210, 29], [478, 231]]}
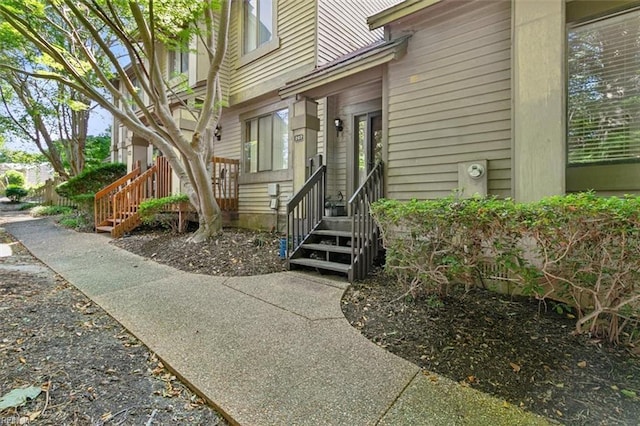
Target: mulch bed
{"points": [[90, 369], [516, 348]]}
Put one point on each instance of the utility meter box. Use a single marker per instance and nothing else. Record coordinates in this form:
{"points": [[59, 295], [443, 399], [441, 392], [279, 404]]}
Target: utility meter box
{"points": [[273, 189], [472, 178]]}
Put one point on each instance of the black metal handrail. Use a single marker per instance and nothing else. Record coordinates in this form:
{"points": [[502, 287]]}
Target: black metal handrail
{"points": [[365, 241], [305, 210]]}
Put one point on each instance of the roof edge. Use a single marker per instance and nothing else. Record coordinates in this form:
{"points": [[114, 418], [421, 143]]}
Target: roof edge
{"points": [[378, 55], [398, 11]]}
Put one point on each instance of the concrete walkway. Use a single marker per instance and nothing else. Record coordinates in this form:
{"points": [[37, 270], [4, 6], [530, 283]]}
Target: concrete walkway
{"points": [[265, 350]]}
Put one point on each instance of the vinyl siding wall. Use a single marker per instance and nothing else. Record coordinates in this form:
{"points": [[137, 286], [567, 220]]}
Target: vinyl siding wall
{"points": [[296, 29], [450, 100], [253, 198], [342, 26], [349, 103]]}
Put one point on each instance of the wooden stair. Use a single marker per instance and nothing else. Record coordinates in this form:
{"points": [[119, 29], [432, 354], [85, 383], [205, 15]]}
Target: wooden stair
{"points": [[327, 248]]}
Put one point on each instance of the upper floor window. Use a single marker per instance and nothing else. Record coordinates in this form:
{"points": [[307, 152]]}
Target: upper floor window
{"points": [[266, 142], [178, 62], [603, 90], [258, 27]]}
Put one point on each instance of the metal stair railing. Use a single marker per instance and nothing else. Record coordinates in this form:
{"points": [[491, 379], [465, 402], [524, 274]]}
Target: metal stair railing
{"points": [[365, 241], [305, 210]]}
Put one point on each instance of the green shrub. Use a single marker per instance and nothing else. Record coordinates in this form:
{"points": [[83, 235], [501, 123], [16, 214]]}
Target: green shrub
{"points": [[13, 177], [15, 193], [578, 248], [92, 180], [155, 212], [50, 210]]}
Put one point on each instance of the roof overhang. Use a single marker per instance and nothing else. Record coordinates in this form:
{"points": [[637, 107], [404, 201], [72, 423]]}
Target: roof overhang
{"points": [[398, 11], [357, 62]]}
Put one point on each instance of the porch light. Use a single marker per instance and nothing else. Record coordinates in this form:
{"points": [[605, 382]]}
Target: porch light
{"points": [[218, 132], [338, 124]]}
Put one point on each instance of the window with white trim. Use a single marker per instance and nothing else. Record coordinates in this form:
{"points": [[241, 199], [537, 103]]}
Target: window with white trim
{"points": [[258, 24], [266, 142], [603, 91], [178, 62]]}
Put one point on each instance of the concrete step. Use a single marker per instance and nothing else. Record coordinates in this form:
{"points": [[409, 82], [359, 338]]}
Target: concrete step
{"points": [[104, 228], [322, 264]]}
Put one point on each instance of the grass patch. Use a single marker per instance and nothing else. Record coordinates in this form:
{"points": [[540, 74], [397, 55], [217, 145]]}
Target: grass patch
{"points": [[50, 210]]}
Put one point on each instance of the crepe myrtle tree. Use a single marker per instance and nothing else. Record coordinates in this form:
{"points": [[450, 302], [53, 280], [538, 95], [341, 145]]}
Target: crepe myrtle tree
{"points": [[117, 63]]}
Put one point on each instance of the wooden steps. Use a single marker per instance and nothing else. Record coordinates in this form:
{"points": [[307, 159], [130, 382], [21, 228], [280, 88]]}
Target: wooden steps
{"points": [[322, 264], [327, 248]]}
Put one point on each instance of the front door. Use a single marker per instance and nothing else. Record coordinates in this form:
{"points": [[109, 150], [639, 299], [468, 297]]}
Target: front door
{"points": [[368, 145]]}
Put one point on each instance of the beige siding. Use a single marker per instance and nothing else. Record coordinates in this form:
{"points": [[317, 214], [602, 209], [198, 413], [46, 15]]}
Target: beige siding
{"points": [[349, 103], [342, 26], [450, 101], [293, 58]]}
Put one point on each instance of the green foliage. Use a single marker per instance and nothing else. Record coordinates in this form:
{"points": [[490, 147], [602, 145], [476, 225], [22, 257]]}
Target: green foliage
{"points": [[39, 211], [580, 249], [91, 180], [21, 157], [157, 211], [13, 177], [15, 193]]}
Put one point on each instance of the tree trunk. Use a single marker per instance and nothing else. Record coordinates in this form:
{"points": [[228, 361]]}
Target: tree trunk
{"points": [[209, 213]]}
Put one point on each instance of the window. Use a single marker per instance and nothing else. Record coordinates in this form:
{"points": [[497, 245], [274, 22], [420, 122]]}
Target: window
{"points": [[178, 62], [603, 87], [266, 142], [258, 27]]}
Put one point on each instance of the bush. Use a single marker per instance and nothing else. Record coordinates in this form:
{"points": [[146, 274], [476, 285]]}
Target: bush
{"points": [[50, 210], [13, 177], [91, 180], [577, 248], [15, 193], [155, 212]]}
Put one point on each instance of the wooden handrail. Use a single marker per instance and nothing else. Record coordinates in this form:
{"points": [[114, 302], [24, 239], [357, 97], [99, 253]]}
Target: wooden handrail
{"points": [[224, 179], [118, 183], [127, 201], [305, 210], [103, 205], [365, 241]]}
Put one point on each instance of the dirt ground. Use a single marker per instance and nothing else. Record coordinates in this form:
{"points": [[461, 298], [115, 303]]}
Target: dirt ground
{"points": [[91, 370], [514, 348]]}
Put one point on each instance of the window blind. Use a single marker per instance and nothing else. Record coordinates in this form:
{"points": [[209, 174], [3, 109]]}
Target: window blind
{"points": [[604, 91]]}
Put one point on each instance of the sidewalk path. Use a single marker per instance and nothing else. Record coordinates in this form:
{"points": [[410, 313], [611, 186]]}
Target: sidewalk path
{"points": [[265, 350]]}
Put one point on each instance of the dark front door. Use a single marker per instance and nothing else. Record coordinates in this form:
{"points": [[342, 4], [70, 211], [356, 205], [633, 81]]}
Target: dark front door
{"points": [[368, 145]]}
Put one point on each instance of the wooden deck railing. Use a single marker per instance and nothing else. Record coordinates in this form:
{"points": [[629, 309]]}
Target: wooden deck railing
{"points": [[364, 231], [116, 206], [305, 210], [103, 203], [127, 201], [225, 183]]}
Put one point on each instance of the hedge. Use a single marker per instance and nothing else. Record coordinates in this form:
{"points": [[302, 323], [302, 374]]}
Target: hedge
{"points": [[579, 248]]}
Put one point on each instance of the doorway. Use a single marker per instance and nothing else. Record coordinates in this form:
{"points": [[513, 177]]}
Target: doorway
{"points": [[367, 146]]}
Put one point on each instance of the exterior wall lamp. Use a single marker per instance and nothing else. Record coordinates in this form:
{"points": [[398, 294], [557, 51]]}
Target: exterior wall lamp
{"points": [[338, 124], [218, 132]]}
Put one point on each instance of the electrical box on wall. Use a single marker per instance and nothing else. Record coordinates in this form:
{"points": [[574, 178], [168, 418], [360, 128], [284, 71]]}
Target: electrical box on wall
{"points": [[273, 204], [472, 178], [273, 189]]}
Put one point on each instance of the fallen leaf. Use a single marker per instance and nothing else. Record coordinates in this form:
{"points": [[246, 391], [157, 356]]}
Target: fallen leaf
{"points": [[22, 360], [629, 393], [516, 367], [18, 397], [582, 364]]}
